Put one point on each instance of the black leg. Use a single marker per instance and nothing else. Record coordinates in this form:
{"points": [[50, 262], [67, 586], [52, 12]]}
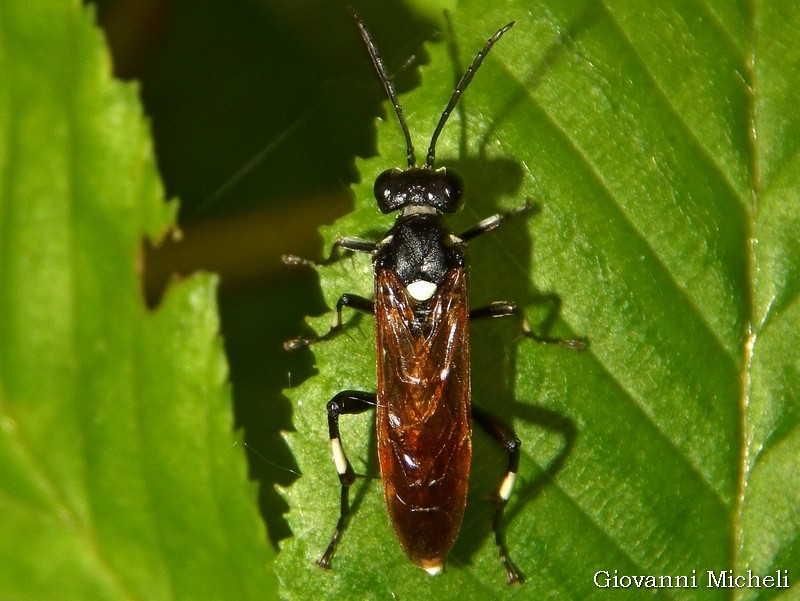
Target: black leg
{"points": [[346, 300], [347, 402], [355, 244], [508, 309], [347, 243], [508, 439], [492, 222]]}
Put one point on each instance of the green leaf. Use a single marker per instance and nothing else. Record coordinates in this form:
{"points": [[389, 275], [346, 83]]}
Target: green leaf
{"points": [[661, 147], [121, 477]]}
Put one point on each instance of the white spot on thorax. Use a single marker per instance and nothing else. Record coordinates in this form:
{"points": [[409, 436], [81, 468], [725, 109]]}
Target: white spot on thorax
{"points": [[421, 290], [418, 210]]}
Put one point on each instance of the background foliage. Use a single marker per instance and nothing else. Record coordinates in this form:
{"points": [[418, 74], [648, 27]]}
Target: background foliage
{"points": [[121, 475]]}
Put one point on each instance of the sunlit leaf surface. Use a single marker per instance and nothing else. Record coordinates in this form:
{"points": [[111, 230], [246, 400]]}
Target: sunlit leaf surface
{"points": [[121, 477]]}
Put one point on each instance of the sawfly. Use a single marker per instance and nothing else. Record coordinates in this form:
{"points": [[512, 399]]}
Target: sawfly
{"points": [[422, 318]]}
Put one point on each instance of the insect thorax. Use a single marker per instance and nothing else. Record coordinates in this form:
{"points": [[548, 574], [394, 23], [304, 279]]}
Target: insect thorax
{"points": [[420, 250]]}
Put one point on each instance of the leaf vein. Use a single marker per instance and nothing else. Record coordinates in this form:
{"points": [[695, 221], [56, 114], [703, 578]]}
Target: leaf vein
{"points": [[678, 115]]}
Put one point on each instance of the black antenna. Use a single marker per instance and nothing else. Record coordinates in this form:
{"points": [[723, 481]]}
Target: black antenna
{"points": [[462, 85], [386, 80]]}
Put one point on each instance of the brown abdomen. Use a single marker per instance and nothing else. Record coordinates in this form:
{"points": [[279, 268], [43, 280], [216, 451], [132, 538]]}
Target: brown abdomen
{"points": [[423, 414]]}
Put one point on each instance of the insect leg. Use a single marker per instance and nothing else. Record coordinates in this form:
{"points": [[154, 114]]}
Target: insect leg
{"points": [[493, 221], [354, 244], [509, 309], [347, 402], [347, 243], [346, 300], [508, 439]]}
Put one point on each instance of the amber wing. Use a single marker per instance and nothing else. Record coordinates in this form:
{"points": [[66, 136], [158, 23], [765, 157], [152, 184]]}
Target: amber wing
{"points": [[423, 414]]}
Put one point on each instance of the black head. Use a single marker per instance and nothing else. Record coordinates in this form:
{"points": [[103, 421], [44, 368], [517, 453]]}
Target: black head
{"points": [[420, 186]]}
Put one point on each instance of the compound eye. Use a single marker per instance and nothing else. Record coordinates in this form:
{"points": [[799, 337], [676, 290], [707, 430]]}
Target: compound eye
{"points": [[452, 190], [389, 191]]}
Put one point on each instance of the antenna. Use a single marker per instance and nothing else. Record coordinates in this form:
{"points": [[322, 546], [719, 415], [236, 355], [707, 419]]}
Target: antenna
{"points": [[386, 80], [462, 85]]}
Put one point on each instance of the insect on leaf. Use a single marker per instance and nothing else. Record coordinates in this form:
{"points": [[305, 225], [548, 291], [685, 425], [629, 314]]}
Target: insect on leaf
{"points": [[661, 149]]}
